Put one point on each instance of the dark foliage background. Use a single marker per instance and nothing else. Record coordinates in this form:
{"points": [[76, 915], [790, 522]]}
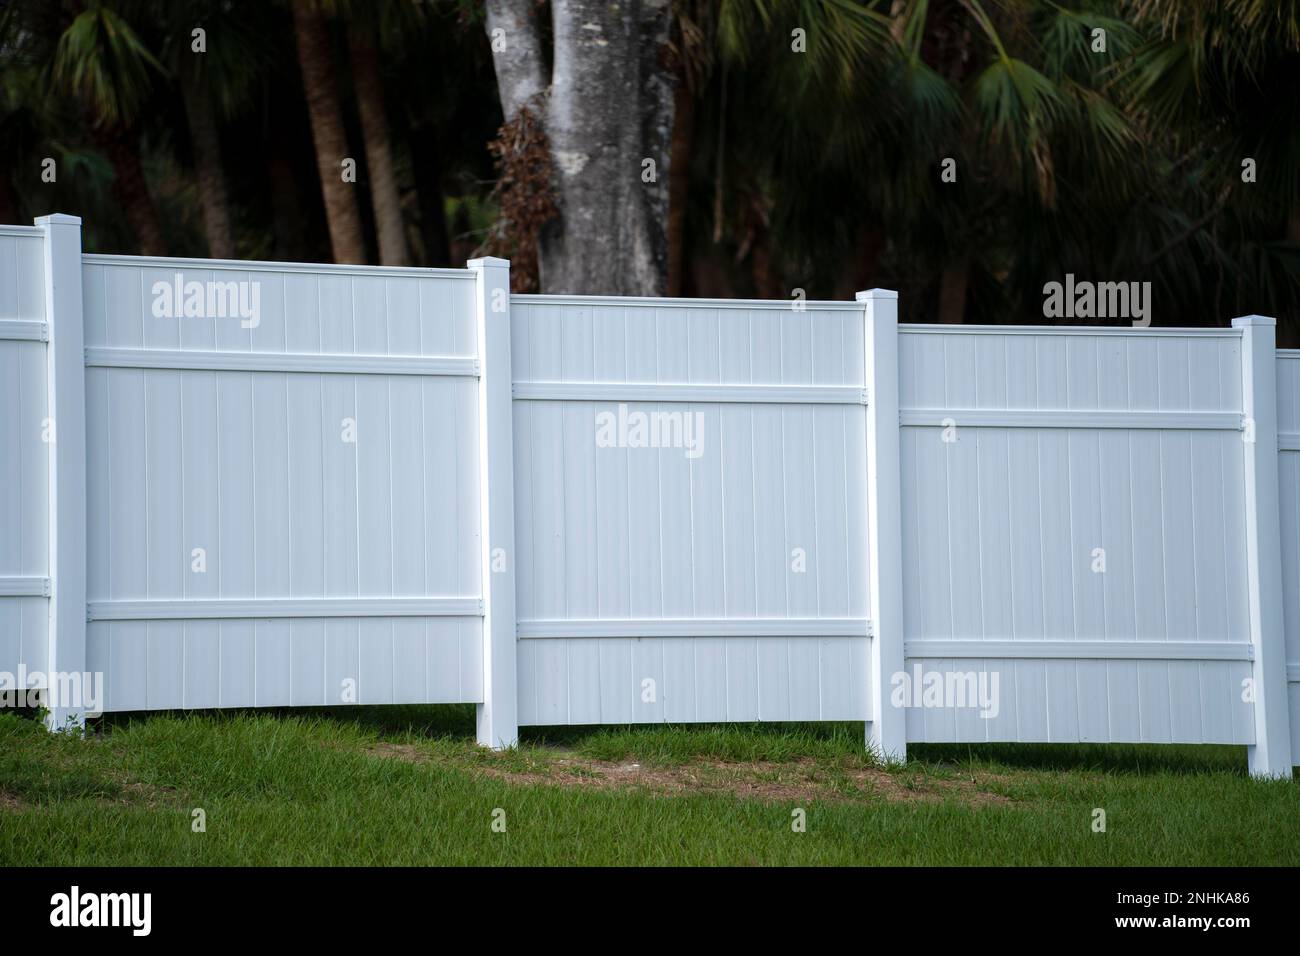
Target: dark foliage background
{"points": [[817, 169]]}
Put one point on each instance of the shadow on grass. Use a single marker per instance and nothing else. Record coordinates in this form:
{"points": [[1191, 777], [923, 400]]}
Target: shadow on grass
{"points": [[1100, 758], [420, 720], [746, 742]]}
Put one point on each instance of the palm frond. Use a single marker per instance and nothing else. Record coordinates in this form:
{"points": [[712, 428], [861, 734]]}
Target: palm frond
{"points": [[102, 60]]}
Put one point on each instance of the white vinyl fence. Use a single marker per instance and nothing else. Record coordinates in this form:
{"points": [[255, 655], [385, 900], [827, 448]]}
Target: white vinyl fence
{"points": [[244, 484], [1288, 429]]}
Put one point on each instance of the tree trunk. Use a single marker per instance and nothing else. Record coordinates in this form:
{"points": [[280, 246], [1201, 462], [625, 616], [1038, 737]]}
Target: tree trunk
{"points": [[659, 81], [679, 178], [206, 142], [710, 277], [516, 52], [952, 292], [327, 132], [428, 189], [286, 211], [131, 191], [384, 197], [763, 271], [859, 272], [609, 110]]}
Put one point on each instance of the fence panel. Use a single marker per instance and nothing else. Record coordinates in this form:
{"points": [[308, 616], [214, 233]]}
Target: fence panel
{"points": [[1288, 426], [24, 454], [283, 507], [690, 495], [1073, 508]]}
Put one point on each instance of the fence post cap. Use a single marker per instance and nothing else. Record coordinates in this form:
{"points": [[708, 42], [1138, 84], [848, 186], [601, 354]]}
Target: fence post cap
{"points": [[1242, 321], [877, 294], [485, 262], [58, 219]]}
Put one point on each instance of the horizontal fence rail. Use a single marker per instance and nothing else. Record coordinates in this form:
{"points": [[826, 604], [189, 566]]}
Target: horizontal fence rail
{"points": [[177, 359], [691, 627], [15, 586], [201, 610], [1084, 650], [23, 330], [690, 393], [1068, 418]]}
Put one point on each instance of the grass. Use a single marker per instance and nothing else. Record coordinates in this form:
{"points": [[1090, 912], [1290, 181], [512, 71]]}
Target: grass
{"points": [[407, 786]]}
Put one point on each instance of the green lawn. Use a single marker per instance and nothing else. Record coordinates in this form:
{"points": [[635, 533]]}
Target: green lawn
{"points": [[408, 786]]}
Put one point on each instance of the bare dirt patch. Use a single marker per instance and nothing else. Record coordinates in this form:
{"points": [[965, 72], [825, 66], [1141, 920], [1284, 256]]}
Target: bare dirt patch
{"points": [[407, 752], [133, 792], [772, 782], [9, 801]]}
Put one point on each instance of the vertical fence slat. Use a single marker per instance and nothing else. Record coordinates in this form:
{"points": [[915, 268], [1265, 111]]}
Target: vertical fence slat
{"points": [[498, 715], [1270, 756], [886, 730], [66, 378]]}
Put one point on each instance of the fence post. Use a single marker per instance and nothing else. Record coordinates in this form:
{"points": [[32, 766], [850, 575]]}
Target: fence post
{"points": [[887, 728], [65, 369], [498, 715], [1270, 756]]}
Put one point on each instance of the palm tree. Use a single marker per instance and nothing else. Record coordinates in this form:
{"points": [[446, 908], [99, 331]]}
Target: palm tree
{"points": [[367, 30], [104, 64], [438, 140], [1037, 106], [215, 83], [1218, 82], [839, 152], [690, 60], [19, 92], [311, 32], [206, 142], [781, 125]]}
